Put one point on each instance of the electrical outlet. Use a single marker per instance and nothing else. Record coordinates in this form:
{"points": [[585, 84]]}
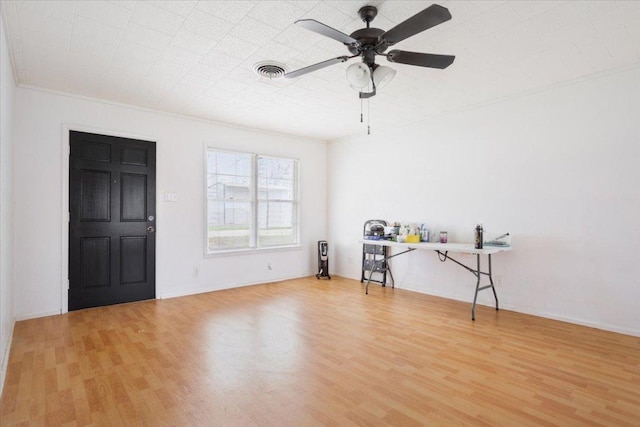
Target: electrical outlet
{"points": [[196, 271], [498, 281], [269, 266]]}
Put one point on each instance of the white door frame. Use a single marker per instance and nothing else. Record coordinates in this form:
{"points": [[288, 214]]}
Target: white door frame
{"points": [[64, 238]]}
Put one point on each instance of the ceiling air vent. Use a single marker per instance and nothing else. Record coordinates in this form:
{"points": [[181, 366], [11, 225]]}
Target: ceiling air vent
{"points": [[270, 69]]}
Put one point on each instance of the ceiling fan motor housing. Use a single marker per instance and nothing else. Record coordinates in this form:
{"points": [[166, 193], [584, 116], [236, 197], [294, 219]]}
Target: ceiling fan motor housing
{"points": [[368, 39]]}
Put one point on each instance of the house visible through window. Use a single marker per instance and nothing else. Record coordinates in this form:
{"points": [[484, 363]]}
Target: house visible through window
{"points": [[252, 201]]}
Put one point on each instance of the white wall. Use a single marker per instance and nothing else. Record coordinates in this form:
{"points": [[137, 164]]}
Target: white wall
{"points": [[7, 87], [560, 170], [39, 121]]}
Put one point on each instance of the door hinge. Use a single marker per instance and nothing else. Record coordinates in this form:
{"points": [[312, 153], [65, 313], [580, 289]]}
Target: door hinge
{"points": [[68, 216]]}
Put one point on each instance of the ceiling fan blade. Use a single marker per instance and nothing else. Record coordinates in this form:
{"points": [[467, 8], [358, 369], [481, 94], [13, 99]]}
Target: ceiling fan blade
{"points": [[325, 30], [314, 67], [420, 59], [430, 17]]}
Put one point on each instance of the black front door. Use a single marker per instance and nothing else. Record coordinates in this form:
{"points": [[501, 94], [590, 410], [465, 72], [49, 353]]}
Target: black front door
{"points": [[112, 206]]}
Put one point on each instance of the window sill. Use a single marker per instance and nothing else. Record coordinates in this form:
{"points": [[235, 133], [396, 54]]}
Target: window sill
{"points": [[252, 251]]}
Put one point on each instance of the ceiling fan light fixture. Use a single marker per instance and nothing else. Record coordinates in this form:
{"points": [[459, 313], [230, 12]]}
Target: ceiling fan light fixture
{"points": [[383, 75], [358, 75]]}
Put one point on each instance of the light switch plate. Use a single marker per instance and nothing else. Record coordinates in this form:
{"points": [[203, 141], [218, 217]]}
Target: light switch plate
{"points": [[170, 197]]}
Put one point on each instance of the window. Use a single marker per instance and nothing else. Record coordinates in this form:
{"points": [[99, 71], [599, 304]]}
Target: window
{"points": [[252, 201]]}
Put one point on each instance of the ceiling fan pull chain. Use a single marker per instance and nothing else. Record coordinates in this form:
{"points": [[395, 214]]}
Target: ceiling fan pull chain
{"points": [[368, 116], [361, 120]]}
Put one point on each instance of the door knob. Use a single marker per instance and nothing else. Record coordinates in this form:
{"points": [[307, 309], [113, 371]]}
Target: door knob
{"points": [[150, 229]]}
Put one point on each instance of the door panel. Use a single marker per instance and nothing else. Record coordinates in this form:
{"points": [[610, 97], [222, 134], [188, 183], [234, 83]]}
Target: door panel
{"points": [[96, 151], [133, 259], [134, 156], [95, 257], [112, 220], [95, 192], [133, 189]]}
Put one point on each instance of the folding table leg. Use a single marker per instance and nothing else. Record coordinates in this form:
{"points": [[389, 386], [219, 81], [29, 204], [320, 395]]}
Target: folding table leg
{"points": [[475, 297], [366, 289], [493, 288]]}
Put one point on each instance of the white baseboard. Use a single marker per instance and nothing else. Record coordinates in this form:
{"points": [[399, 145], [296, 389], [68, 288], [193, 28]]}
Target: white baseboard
{"points": [[5, 357], [524, 310], [538, 313], [577, 321], [213, 288], [180, 293], [37, 315]]}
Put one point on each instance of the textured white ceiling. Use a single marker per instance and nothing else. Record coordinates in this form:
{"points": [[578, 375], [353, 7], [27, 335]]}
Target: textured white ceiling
{"points": [[195, 57]]}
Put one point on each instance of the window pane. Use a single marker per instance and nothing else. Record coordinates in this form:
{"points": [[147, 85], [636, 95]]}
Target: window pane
{"points": [[276, 223], [276, 178], [269, 167], [221, 187], [228, 176], [222, 163], [279, 189], [229, 224], [276, 220]]}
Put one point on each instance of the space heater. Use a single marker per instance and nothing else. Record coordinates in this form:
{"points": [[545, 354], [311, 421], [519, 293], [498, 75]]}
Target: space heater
{"points": [[323, 260]]}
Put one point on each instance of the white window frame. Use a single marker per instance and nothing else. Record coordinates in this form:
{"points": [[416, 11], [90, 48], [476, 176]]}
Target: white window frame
{"points": [[253, 239]]}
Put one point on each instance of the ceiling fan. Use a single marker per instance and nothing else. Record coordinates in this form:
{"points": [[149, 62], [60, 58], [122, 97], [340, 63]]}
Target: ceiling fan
{"points": [[368, 43]]}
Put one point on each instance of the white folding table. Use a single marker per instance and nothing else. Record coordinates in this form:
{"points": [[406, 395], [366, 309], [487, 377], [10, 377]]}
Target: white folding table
{"points": [[443, 249]]}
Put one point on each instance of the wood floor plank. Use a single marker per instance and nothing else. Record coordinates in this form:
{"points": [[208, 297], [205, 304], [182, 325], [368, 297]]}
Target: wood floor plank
{"points": [[316, 353]]}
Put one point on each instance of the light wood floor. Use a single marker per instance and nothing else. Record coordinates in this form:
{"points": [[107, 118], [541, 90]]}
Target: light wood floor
{"points": [[307, 352]]}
